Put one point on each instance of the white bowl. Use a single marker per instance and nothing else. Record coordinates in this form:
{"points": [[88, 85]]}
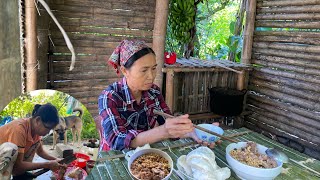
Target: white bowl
{"points": [[147, 151], [206, 136], [247, 172]]}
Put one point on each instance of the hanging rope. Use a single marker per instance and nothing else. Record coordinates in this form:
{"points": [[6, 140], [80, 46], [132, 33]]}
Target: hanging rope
{"points": [[66, 38]]}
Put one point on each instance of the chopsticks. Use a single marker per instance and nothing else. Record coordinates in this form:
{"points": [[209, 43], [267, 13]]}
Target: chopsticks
{"points": [[167, 147], [196, 126], [161, 148]]}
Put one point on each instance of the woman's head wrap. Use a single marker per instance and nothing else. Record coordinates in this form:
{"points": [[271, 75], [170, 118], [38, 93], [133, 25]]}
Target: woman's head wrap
{"points": [[124, 51]]}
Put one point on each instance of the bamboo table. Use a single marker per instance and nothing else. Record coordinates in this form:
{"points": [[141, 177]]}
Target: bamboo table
{"points": [[117, 168]]}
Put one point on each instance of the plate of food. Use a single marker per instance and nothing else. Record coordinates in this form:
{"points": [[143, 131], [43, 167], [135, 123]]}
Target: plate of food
{"points": [[71, 173]]}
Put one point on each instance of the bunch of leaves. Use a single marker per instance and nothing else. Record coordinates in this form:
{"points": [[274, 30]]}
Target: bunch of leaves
{"points": [[213, 30]]}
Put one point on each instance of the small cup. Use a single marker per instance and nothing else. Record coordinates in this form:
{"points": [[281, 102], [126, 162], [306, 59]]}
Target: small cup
{"points": [[206, 136]]}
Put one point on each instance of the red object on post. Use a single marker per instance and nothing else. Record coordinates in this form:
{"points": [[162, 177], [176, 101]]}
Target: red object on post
{"points": [[170, 58]]}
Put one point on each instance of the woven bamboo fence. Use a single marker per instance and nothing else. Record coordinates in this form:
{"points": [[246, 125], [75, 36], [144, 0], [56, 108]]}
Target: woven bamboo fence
{"points": [[285, 89], [95, 28], [193, 77]]}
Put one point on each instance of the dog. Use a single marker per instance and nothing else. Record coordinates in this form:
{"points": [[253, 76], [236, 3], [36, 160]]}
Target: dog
{"points": [[70, 122]]}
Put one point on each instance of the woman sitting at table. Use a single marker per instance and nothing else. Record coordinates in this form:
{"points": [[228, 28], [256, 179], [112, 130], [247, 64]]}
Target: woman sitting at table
{"points": [[20, 140], [126, 107]]}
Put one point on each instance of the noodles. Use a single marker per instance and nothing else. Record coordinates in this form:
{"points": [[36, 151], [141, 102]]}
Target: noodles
{"points": [[249, 155]]}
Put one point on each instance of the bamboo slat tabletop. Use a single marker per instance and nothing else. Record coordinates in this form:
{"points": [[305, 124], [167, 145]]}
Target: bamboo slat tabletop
{"points": [[117, 168]]}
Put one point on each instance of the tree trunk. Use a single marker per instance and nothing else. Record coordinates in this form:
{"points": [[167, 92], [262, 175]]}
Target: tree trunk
{"points": [[238, 26], [159, 37], [189, 47]]}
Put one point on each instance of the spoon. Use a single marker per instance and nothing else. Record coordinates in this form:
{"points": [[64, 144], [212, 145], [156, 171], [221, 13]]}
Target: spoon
{"points": [[279, 155]]}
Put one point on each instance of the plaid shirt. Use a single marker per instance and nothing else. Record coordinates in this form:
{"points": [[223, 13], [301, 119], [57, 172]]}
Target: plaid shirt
{"points": [[123, 119]]}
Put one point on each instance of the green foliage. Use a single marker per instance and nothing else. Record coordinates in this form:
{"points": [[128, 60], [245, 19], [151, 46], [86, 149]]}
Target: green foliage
{"points": [[23, 105], [214, 32], [215, 21]]}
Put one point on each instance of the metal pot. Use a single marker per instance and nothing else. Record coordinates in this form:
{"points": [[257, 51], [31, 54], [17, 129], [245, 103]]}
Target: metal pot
{"points": [[226, 101]]}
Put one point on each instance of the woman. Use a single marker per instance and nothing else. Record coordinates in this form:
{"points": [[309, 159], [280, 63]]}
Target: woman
{"points": [[126, 107], [23, 135]]}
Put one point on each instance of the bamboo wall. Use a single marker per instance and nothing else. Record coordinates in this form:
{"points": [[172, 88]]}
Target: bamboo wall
{"points": [[285, 89], [191, 88], [95, 28]]}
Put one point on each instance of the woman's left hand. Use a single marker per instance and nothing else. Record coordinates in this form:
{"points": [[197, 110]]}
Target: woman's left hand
{"points": [[194, 136]]}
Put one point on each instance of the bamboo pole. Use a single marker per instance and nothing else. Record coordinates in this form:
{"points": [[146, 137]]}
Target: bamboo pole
{"points": [[308, 95], [248, 32], [304, 79], [306, 104], [305, 34], [298, 16], [266, 129], [247, 41], [276, 118], [287, 54], [297, 62], [288, 3], [298, 112], [287, 128], [286, 81], [169, 89], [299, 69], [301, 40], [287, 24], [281, 115], [31, 45], [291, 9], [159, 37], [281, 46], [241, 80], [215, 69]]}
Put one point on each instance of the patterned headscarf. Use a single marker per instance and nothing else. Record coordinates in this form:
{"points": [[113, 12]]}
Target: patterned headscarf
{"points": [[124, 51]]}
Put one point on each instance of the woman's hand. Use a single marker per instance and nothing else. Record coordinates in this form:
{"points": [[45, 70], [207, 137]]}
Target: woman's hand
{"points": [[178, 126], [53, 165], [194, 136]]}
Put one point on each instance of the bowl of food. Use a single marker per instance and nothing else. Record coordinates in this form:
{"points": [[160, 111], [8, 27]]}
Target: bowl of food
{"points": [[206, 136], [150, 164], [249, 161], [70, 173]]}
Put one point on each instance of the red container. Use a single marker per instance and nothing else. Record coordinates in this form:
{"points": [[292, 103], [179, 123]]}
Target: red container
{"points": [[81, 160], [170, 58]]}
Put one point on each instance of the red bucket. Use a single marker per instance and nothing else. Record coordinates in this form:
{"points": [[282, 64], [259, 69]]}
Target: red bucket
{"points": [[81, 160], [170, 58]]}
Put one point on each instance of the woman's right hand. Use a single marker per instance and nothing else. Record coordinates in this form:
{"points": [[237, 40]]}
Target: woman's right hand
{"points": [[178, 126], [53, 165]]}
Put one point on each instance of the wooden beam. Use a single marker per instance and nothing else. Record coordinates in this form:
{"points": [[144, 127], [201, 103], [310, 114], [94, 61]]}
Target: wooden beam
{"points": [[159, 37], [248, 32], [31, 41], [169, 89]]}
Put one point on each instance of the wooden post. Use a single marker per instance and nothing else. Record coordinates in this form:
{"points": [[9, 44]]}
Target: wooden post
{"points": [[31, 45], [169, 89], [248, 32], [247, 41], [241, 80], [159, 37]]}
